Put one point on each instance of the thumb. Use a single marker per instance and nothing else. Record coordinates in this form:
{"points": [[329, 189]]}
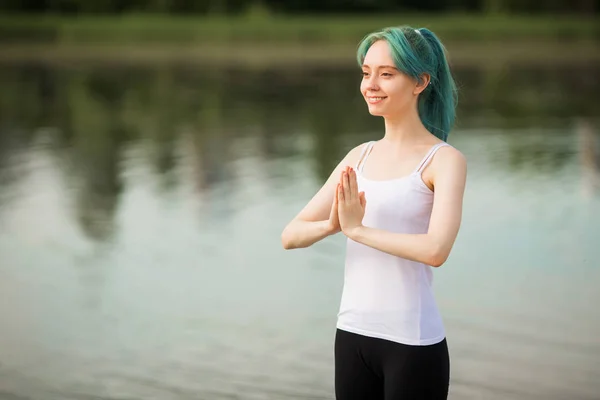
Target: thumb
{"points": [[363, 199]]}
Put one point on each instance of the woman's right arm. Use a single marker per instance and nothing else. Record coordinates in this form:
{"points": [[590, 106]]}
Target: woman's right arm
{"points": [[317, 219]]}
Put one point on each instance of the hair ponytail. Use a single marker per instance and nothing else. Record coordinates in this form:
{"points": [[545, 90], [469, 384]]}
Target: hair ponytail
{"points": [[437, 108], [417, 52]]}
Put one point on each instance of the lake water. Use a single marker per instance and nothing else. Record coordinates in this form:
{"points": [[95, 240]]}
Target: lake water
{"points": [[140, 218]]}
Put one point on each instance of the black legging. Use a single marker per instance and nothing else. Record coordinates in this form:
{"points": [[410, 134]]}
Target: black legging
{"points": [[368, 368]]}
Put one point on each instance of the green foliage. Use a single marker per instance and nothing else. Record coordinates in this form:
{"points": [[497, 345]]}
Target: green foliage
{"points": [[258, 25], [298, 6]]}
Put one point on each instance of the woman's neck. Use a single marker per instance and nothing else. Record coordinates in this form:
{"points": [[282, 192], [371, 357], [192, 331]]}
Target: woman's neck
{"points": [[405, 129]]}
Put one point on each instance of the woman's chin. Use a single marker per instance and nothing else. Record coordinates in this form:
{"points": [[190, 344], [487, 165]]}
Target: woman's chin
{"points": [[376, 111]]}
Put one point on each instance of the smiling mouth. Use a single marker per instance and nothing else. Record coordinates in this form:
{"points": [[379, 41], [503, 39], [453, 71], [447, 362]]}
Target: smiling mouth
{"points": [[375, 99]]}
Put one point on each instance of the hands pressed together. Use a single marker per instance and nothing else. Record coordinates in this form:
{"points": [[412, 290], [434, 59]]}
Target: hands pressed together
{"points": [[348, 208]]}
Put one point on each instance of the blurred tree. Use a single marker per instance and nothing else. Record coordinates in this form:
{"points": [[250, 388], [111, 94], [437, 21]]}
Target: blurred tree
{"points": [[589, 6], [494, 6], [464, 5], [217, 6], [301, 6], [160, 6]]}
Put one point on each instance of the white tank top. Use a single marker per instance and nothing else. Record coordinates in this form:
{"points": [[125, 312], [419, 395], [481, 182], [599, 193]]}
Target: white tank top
{"points": [[385, 296]]}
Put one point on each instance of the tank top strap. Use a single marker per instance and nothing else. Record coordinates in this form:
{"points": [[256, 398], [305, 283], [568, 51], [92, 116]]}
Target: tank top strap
{"points": [[363, 156], [429, 156]]}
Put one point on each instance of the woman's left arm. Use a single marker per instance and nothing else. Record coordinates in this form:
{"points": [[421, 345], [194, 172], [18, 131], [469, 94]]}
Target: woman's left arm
{"points": [[449, 169]]}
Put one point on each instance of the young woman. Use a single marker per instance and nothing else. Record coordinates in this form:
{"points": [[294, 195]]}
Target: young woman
{"points": [[399, 202]]}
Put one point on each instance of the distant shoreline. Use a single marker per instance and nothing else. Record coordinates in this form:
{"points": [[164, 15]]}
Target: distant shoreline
{"points": [[260, 55], [266, 40], [348, 29]]}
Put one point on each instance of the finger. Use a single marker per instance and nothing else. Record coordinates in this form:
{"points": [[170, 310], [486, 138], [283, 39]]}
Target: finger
{"points": [[340, 192], [353, 184], [346, 184], [333, 204], [347, 191]]}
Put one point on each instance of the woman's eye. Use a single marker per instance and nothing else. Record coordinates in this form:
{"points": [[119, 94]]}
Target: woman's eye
{"points": [[386, 74]]}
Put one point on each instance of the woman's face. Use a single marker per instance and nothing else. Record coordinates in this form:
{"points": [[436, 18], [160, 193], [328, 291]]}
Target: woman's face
{"points": [[387, 91]]}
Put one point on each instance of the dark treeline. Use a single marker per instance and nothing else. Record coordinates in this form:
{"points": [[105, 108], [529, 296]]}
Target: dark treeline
{"points": [[201, 7]]}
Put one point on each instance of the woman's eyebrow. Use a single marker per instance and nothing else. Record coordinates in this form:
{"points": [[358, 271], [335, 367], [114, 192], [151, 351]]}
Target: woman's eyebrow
{"points": [[382, 66]]}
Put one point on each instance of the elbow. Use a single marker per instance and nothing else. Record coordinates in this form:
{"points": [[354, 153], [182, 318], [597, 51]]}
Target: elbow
{"points": [[286, 240], [437, 262], [437, 257], [287, 245]]}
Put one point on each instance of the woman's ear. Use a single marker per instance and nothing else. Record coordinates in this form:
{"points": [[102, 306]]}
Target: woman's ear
{"points": [[422, 85]]}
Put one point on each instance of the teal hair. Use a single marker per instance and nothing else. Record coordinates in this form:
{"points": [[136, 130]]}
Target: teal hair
{"points": [[415, 53]]}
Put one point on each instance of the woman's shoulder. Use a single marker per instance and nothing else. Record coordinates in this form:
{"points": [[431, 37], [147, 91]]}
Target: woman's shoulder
{"points": [[448, 156], [450, 153], [355, 153]]}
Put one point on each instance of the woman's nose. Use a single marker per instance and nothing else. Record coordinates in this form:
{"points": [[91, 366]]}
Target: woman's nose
{"points": [[371, 83]]}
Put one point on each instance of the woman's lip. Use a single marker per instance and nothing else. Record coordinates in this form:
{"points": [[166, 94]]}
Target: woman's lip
{"points": [[375, 99]]}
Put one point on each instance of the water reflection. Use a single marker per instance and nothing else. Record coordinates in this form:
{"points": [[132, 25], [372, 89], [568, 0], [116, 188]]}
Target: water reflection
{"points": [[95, 113], [589, 150], [140, 212]]}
